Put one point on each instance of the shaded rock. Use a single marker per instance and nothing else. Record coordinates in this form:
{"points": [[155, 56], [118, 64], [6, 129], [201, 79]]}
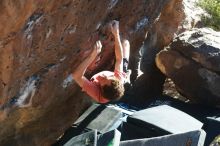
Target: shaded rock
{"points": [[150, 83], [193, 16], [169, 89], [192, 62]]}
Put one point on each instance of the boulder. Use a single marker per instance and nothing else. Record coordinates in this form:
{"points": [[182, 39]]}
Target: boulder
{"points": [[150, 83], [41, 43], [192, 62]]}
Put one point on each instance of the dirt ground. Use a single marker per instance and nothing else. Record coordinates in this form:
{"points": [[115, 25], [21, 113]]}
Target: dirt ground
{"points": [[170, 89]]}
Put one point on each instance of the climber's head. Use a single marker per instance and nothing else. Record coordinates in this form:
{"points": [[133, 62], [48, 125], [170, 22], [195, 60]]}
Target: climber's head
{"points": [[111, 87]]}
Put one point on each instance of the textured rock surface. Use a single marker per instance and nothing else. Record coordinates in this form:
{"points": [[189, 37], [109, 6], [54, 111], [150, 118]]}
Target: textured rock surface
{"points": [[201, 45], [42, 41], [193, 19], [192, 62], [150, 83], [193, 15]]}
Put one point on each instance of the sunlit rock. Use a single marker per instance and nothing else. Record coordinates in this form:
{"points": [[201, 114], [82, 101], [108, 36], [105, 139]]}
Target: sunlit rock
{"points": [[192, 62]]}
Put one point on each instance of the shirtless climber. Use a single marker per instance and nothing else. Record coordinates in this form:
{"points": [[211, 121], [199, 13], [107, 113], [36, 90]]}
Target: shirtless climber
{"points": [[106, 86]]}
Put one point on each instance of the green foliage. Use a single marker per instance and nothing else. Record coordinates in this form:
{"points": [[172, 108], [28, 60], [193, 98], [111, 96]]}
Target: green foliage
{"points": [[213, 8]]}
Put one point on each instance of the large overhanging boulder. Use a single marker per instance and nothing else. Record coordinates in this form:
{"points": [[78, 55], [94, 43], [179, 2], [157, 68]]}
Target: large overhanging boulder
{"points": [[42, 42], [192, 61]]}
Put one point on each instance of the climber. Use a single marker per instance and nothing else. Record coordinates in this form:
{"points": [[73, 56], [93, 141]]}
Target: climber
{"points": [[106, 86]]}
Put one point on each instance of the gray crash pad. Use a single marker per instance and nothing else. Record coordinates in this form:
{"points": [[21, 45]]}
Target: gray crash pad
{"points": [[193, 138], [108, 119], [165, 118]]}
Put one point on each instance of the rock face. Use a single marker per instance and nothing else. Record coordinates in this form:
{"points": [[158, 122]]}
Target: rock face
{"points": [[192, 61], [150, 83], [193, 15], [43, 41]]}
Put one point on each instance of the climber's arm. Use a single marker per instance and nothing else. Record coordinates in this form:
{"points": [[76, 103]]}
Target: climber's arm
{"points": [[118, 46], [79, 72]]}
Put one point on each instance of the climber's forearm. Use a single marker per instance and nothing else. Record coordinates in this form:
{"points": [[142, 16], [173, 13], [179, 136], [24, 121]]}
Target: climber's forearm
{"points": [[118, 53], [118, 48], [79, 72]]}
